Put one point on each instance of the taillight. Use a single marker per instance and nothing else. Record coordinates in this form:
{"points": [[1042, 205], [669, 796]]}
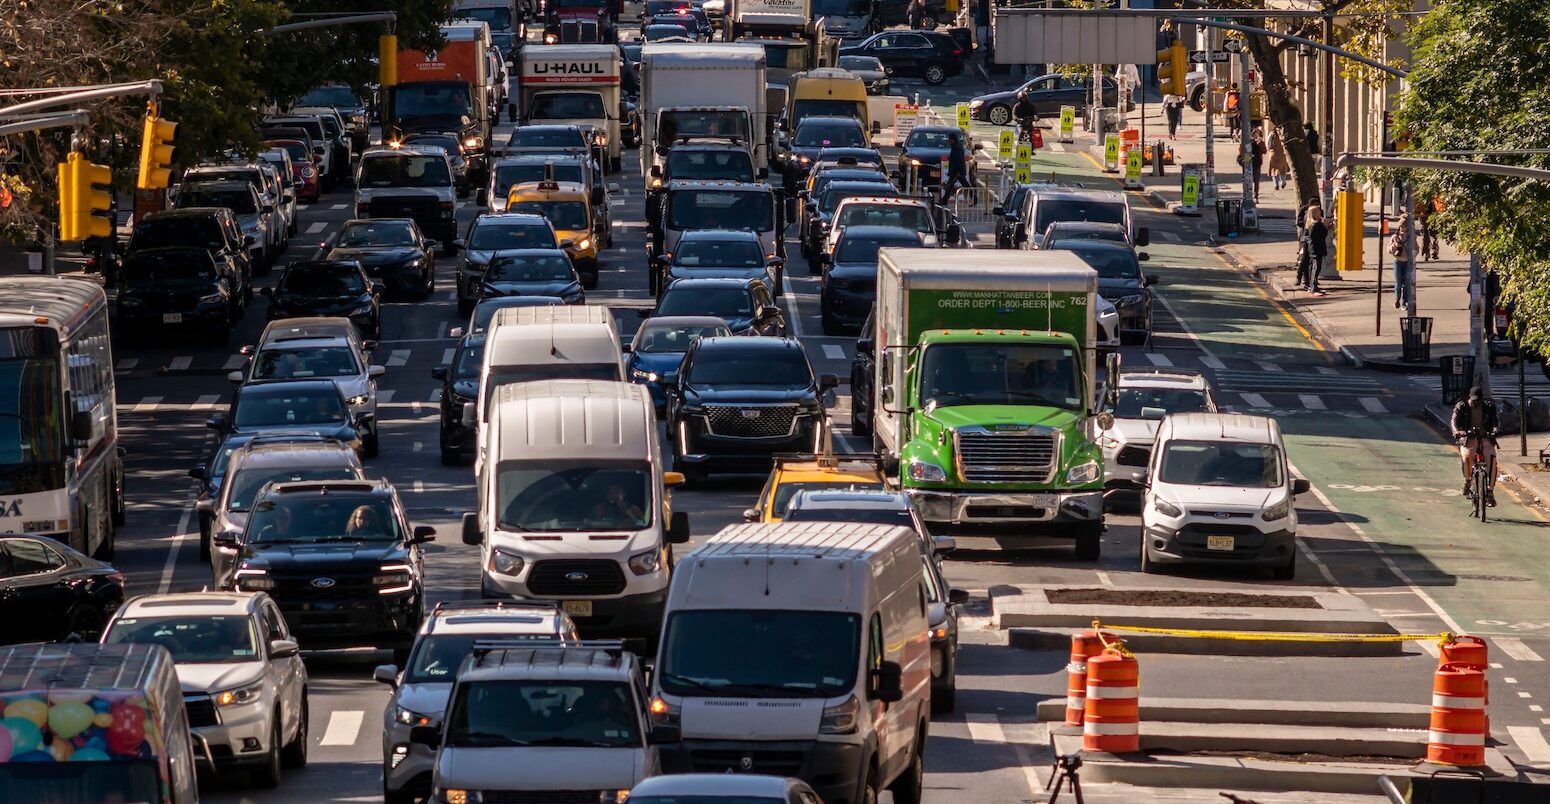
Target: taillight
{"points": [[957, 52]]}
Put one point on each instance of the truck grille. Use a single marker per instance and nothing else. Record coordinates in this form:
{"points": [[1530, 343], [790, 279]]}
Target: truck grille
{"points": [[542, 796], [201, 711], [774, 421], [772, 763], [570, 578], [1026, 456]]}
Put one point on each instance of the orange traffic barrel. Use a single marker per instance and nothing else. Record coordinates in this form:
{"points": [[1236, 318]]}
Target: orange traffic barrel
{"points": [[1084, 646], [1458, 725], [1112, 719], [1466, 650]]}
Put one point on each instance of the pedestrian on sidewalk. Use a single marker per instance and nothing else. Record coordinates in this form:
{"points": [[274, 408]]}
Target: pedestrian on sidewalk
{"points": [[1315, 246], [1257, 154], [1423, 214], [917, 14], [1173, 105], [1278, 164], [1311, 134], [1404, 260]]}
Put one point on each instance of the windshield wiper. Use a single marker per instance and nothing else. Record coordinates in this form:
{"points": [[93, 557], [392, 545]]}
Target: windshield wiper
{"points": [[477, 738], [697, 683], [576, 741], [1033, 397]]}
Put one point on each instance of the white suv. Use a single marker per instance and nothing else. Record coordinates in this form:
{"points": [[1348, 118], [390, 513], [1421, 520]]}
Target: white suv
{"points": [[1139, 399], [421, 688], [244, 685], [318, 349]]}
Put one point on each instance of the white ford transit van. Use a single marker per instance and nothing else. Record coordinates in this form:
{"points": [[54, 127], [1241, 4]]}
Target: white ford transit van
{"points": [[800, 649]]}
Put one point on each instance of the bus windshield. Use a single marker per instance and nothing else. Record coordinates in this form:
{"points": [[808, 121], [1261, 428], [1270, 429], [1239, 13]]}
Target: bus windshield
{"points": [[32, 430], [722, 209]]}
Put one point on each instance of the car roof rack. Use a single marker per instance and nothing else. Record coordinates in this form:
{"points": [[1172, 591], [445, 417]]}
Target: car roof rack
{"points": [[478, 605], [614, 648]]}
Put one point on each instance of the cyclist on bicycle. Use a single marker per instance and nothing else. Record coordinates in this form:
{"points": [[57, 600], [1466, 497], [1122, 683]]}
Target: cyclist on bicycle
{"points": [[1474, 428]]}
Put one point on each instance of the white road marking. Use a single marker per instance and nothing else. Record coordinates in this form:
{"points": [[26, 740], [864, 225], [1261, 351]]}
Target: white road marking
{"points": [[435, 395], [1510, 680], [397, 358], [1185, 327], [207, 402], [1311, 401], [984, 728], [1159, 359], [1514, 647], [343, 727], [1255, 400], [1531, 742], [235, 362], [1535, 708], [316, 227], [385, 396], [833, 351], [1265, 365], [419, 486], [1326, 369], [1372, 405], [1525, 695], [172, 552], [446, 355], [789, 298], [418, 446], [127, 364], [147, 405], [339, 206], [1212, 363], [1103, 578], [180, 363]]}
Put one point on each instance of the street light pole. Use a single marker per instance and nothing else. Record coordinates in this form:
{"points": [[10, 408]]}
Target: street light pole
{"points": [[1327, 187]]}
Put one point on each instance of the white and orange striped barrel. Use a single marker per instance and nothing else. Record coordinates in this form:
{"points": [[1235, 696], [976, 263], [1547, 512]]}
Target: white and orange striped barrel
{"points": [[1112, 719], [1084, 646], [1458, 726]]}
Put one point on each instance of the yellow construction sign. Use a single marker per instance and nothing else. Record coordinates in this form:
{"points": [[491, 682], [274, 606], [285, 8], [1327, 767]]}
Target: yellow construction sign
{"points": [[1004, 145]]}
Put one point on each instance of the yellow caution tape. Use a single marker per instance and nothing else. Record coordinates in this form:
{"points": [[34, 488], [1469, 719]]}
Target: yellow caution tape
{"points": [[1443, 638], [1117, 645]]}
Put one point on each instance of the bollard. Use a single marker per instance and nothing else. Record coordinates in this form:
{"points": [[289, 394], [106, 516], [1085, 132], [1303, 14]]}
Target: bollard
{"points": [[1084, 646], [1457, 733], [1111, 721]]}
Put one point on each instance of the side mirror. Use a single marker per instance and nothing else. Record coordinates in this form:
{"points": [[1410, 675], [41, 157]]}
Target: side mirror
{"points": [[423, 534], [216, 422], [432, 245], [439, 372], [865, 345], [998, 210], [1148, 280], [567, 242], [942, 545], [887, 683], [267, 293], [283, 648], [426, 735], [1105, 420], [1300, 485], [954, 234], [459, 245], [750, 515], [225, 539], [376, 371], [470, 415], [368, 346], [81, 426], [318, 151], [234, 376], [386, 674], [672, 479], [663, 735], [482, 198], [205, 506], [199, 472], [827, 381], [471, 532], [1019, 233], [1143, 236], [364, 417], [678, 528], [957, 597]]}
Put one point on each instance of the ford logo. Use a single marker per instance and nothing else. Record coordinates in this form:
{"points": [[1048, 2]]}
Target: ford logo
{"points": [[1223, 515], [323, 583], [575, 576]]}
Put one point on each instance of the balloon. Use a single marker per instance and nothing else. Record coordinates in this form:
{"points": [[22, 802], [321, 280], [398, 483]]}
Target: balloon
{"points": [[33, 756], [25, 735], [70, 718], [101, 704], [88, 755], [128, 729], [103, 720], [61, 749], [29, 708], [5, 744]]}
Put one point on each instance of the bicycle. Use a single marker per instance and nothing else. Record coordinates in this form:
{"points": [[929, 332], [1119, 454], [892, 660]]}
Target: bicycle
{"points": [[1480, 474]]}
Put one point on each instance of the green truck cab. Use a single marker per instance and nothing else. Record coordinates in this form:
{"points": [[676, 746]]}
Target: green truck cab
{"points": [[985, 390]]}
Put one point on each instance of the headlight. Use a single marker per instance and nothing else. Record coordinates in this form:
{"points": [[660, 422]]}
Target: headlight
{"points": [[646, 376], [252, 580], [926, 472], [239, 696], [307, 173], [409, 718], [915, 162], [358, 400], [1277, 511], [613, 796], [586, 243], [453, 795], [473, 142], [475, 267], [803, 159], [840, 718], [662, 713], [1108, 442], [1084, 473], [505, 563], [1166, 508], [647, 562], [975, 104], [1126, 301], [393, 579], [417, 262]]}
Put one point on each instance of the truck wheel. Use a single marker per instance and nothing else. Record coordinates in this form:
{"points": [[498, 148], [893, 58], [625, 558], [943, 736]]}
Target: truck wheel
{"points": [[1089, 541]]}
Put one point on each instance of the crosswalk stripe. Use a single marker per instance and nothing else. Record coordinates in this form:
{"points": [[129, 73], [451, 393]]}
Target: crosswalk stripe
{"points": [[1373, 405], [1514, 647], [1159, 359], [1311, 402], [316, 227], [1255, 400], [833, 352], [1531, 742], [1213, 363], [339, 206], [180, 363], [235, 362], [148, 404], [398, 357], [207, 402], [343, 727], [1267, 366]]}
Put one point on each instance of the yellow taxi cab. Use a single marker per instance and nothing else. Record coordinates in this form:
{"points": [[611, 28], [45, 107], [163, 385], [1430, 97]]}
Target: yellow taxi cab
{"points": [[793, 473], [568, 206]]}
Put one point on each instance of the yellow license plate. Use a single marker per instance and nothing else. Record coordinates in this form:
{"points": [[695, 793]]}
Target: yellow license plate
{"points": [[581, 608], [1219, 542]]}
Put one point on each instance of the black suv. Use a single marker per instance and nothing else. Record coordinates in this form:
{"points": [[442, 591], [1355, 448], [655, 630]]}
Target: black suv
{"points": [[459, 385], [340, 559], [295, 407], [212, 228], [930, 55], [187, 288], [861, 380], [740, 400], [328, 288]]}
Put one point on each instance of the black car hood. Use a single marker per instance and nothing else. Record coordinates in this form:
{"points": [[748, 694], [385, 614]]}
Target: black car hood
{"points": [[750, 395], [343, 432], [328, 305], [1007, 96], [930, 156], [561, 289], [168, 286], [375, 255], [1112, 288], [854, 270], [354, 557]]}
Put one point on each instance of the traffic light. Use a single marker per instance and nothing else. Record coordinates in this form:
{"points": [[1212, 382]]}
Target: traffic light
{"points": [[1172, 67], [156, 153], [1348, 231], [80, 202], [387, 60]]}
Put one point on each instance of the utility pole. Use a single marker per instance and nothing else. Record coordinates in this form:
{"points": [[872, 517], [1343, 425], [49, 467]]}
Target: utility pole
{"points": [[1246, 143], [1408, 208], [1208, 184], [1327, 151], [1477, 346]]}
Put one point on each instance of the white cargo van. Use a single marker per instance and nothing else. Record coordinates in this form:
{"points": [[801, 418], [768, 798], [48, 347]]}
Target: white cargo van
{"points": [[573, 504], [800, 649], [572, 341]]}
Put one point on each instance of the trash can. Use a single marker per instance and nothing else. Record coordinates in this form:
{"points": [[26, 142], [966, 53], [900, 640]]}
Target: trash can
{"points": [[1458, 372], [1416, 339], [1227, 212]]}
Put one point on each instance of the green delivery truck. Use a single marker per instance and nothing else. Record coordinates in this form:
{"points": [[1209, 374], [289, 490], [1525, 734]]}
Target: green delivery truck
{"points": [[984, 390]]}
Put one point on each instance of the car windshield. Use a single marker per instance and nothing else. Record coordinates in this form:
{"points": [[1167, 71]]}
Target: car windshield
{"points": [[661, 31], [759, 654], [222, 457], [1001, 374], [873, 516], [1059, 235], [834, 195], [864, 249], [297, 150], [237, 199], [672, 338], [470, 360], [781, 368], [180, 267], [563, 215], [296, 363], [907, 216], [547, 138], [567, 496], [509, 174], [376, 233], [322, 280], [923, 138], [300, 407], [863, 63], [722, 209], [709, 253], [442, 141], [405, 170], [245, 485], [721, 302], [193, 230], [1077, 209], [311, 518], [530, 268], [687, 163], [813, 135], [497, 235], [1221, 463], [1131, 401], [1110, 263], [335, 96], [567, 106], [437, 658], [204, 639], [506, 713], [785, 491]]}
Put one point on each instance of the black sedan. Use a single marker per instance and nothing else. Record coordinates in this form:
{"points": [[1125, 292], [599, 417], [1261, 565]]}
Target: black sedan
{"points": [[929, 55], [48, 591], [305, 407], [392, 250], [182, 289], [745, 304], [926, 150], [721, 254], [327, 288], [532, 272], [1120, 281], [862, 379], [850, 274], [1045, 94]]}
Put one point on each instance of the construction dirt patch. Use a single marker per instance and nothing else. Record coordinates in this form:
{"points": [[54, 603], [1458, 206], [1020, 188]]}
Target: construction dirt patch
{"points": [[1301, 759], [1164, 597]]}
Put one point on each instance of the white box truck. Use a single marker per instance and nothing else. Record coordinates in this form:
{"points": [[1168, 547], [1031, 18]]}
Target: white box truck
{"points": [[698, 90], [575, 84]]}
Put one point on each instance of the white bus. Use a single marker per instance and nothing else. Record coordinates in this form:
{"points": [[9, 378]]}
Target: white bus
{"points": [[61, 472]]}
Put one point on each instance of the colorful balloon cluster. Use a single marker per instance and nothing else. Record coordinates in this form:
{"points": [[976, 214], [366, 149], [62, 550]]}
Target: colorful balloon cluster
{"points": [[63, 727]]}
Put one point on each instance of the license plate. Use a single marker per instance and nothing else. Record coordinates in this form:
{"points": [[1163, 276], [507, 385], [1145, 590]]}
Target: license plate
{"points": [[577, 608], [1219, 542], [172, 318], [1041, 500]]}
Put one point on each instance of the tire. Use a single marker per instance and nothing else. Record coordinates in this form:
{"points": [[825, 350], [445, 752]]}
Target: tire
{"points": [[87, 622], [397, 796], [1089, 541], [934, 74], [858, 429], [868, 792], [999, 114], [1148, 566], [907, 787], [268, 775], [1287, 571], [945, 700], [371, 444], [294, 755]]}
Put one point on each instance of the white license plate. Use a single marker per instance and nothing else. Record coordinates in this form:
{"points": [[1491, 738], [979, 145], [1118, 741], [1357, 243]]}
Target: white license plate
{"points": [[577, 608], [1042, 500], [172, 318], [1219, 542]]}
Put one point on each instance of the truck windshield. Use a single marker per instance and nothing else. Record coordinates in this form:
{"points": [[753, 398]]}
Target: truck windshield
{"points": [[407, 170], [1221, 463], [841, 8], [505, 713], [573, 496], [204, 639], [675, 124], [1000, 374], [566, 216], [32, 444], [567, 106], [760, 654], [432, 99], [691, 164], [1076, 209], [82, 782], [826, 107], [437, 658], [722, 209]]}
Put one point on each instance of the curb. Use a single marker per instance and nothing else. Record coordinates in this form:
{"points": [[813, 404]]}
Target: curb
{"points": [[1354, 714], [1059, 640]]}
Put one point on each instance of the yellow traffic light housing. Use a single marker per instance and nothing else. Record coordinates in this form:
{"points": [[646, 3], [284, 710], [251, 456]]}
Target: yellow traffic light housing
{"points": [[156, 151], [1348, 231], [387, 60], [1172, 67], [84, 210]]}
